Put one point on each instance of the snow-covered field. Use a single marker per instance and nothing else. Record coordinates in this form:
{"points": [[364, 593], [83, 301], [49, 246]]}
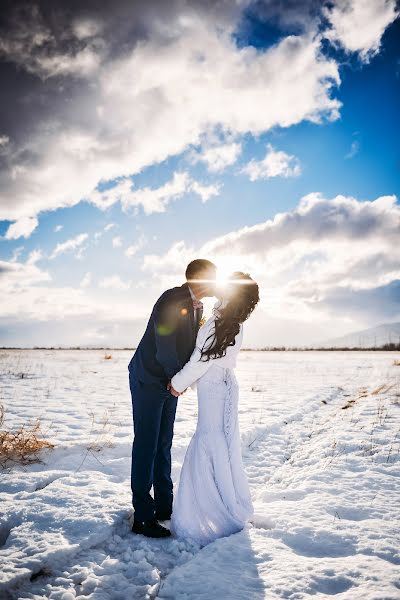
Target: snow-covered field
{"points": [[320, 436]]}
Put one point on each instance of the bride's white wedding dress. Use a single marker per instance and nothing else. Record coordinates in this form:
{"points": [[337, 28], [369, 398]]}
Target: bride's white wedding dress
{"points": [[213, 497]]}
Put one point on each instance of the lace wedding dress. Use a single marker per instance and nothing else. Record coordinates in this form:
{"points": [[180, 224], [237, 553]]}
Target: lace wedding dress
{"points": [[213, 497]]}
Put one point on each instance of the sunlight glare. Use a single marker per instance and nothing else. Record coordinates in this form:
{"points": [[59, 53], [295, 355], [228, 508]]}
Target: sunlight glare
{"points": [[225, 267]]}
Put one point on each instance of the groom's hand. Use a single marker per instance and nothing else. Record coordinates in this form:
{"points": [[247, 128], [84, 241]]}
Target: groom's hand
{"points": [[173, 391]]}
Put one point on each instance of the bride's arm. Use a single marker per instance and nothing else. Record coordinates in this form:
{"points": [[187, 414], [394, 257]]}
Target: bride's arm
{"points": [[194, 368]]}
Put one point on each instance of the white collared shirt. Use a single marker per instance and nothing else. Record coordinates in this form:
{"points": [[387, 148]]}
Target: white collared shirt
{"points": [[193, 298]]}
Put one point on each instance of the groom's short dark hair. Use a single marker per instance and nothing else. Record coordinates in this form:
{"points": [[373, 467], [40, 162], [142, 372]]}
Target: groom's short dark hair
{"points": [[199, 265]]}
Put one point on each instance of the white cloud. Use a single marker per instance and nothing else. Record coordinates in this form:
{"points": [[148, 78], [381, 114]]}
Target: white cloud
{"points": [[318, 218], [239, 90], [327, 266], [83, 63], [217, 158], [358, 25], [34, 257], [175, 258], [85, 28], [16, 253], [36, 48], [303, 257], [114, 282], [15, 277], [109, 226], [21, 228], [152, 200], [68, 245], [276, 163], [4, 139], [156, 199], [134, 248], [29, 296], [58, 228], [86, 281], [354, 149], [205, 191], [117, 241], [106, 198]]}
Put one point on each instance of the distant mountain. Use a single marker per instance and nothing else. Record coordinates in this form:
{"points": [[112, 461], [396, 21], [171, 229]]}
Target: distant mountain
{"points": [[375, 336]]}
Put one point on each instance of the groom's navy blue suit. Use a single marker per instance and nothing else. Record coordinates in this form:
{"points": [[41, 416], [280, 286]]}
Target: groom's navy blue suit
{"points": [[165, 347]]}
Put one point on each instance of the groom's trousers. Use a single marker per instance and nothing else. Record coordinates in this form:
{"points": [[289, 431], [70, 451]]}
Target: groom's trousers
{"points": [[154, 409]]}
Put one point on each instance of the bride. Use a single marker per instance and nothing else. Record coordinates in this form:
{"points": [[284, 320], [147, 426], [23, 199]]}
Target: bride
{"points": [[213, 497]]}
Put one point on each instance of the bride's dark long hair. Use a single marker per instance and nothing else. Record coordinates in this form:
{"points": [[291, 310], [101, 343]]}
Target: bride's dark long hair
{"points": [[242, 302]]}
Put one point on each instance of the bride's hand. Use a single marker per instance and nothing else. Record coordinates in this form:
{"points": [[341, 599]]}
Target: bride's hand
{"points": [[173, 391]]}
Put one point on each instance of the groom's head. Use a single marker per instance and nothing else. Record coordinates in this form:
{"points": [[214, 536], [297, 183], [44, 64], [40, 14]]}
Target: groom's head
{"points": [[200, 275]]}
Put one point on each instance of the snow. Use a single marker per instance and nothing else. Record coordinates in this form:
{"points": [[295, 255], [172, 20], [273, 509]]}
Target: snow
{"points": [[321, 447]]}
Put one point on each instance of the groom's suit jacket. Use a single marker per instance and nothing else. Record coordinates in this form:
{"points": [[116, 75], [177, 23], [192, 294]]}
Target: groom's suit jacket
{"points": [[169, 339]]}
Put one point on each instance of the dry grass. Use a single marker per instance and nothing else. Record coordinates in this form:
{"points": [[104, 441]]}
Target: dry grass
{"points": [[103, 437], [382, 388], [22, 445], [107, 356], [396, 363], [103, 429]]}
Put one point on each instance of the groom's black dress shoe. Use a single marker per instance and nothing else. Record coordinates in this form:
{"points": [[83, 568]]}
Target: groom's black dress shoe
{"points": [[163, 516], [150, 528]]}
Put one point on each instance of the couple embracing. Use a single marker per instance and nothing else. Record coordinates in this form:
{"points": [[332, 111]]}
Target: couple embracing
{"points": [[175, 352]]}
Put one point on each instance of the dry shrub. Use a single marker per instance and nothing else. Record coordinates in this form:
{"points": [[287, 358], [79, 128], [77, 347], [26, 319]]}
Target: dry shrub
{"points": [[396, 363], [21, 445], [107, 356]]}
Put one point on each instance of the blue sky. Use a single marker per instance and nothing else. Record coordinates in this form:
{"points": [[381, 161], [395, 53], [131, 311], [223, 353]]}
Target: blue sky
{"points": [[264, 140]]}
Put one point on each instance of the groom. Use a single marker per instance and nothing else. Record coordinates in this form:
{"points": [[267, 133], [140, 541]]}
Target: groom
{"points": [[165, 347]]}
